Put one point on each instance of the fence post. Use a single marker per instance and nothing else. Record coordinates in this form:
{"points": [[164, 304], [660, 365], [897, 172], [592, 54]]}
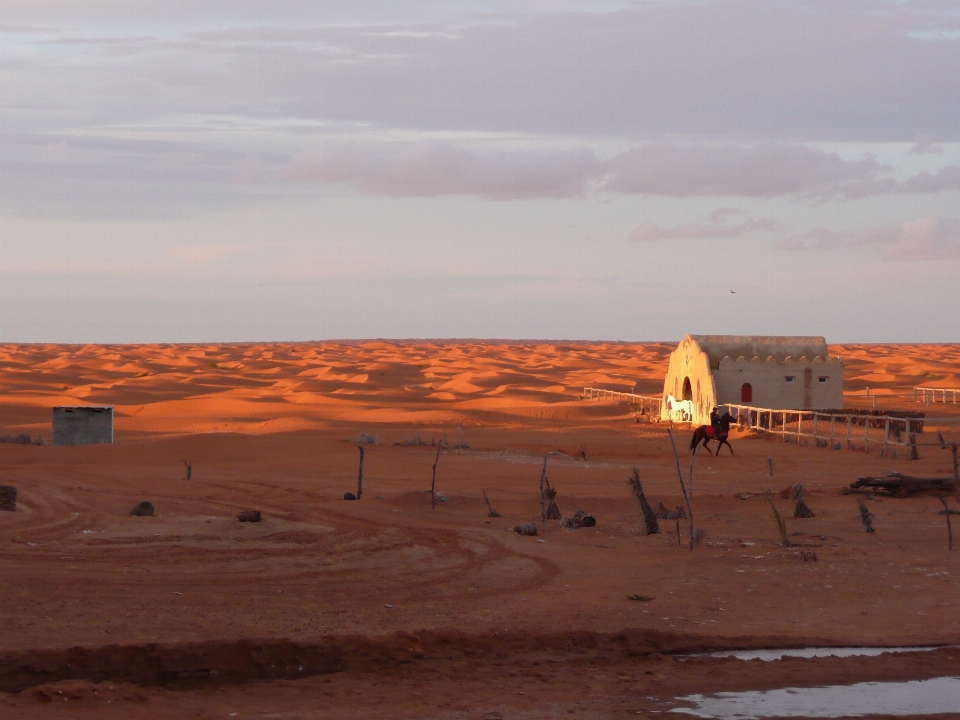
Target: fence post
{"points": [[914, 393], [866, 433], [886, 434], [848, 429], [833, 419], [799, 427]]}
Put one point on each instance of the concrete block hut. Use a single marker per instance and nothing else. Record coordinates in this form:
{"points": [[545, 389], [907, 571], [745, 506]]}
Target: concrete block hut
{"points": [[82, 425], [779, 372]]}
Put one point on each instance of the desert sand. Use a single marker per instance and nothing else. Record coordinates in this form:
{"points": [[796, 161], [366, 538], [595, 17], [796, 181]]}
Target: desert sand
{"points": [[386, 607]]}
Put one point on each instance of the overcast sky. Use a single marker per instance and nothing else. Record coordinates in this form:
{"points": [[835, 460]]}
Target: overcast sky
{"points": [[180, 171]]}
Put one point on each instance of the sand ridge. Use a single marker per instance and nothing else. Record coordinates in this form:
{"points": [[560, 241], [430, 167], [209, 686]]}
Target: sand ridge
{"points": [[202, 388]]}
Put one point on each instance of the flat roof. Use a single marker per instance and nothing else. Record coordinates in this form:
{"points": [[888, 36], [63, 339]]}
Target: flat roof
{"points": [[83, 407]]}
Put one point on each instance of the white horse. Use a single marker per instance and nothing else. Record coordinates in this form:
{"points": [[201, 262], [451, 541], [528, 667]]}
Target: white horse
{"points": [[679, 410]]}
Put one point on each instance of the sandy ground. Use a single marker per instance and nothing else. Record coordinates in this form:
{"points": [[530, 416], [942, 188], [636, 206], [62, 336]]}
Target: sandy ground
{"points": [[388, 608]]}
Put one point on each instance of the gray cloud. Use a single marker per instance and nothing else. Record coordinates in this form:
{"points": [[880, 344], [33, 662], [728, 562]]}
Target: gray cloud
{"points": [[924, 238], [764, 170], [945, 179], [810, 71], [140, 76], [926, 146], [813, 71]]}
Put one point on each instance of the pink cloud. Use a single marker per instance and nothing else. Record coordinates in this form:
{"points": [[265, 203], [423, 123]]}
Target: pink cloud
{"points": [[716, 227], [925, 238], [426, 169], [764, 170], [792, 245], [435, 168]]}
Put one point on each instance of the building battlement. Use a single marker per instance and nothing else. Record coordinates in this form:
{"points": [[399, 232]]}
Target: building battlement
{"points": [[727, 360]]}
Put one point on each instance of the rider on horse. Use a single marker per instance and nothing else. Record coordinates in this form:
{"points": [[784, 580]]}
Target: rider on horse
{"points": [[718, 429], [715, 422]]}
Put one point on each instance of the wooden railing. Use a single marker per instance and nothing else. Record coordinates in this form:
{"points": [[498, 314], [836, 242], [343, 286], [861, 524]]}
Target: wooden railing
{"points": [[829, 429], [646, 403], [929, 395]]}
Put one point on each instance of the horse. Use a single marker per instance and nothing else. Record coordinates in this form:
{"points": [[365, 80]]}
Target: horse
{"points": [[705, 433], [679, 410]]}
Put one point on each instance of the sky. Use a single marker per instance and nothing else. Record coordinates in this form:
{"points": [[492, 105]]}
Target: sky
{"points": [[214, 171]]}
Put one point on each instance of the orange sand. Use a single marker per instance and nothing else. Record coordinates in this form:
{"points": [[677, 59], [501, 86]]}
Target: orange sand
{"points": [[443, 613]]}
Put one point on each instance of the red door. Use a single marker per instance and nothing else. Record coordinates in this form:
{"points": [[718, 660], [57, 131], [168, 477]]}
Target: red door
{"points": [[746, 393]]}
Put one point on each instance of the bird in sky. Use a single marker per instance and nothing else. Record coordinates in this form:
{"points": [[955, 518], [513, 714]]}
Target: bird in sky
{"points": [[733, 291]]}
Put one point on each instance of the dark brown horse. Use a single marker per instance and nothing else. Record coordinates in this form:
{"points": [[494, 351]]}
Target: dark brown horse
{"points": [[705, 433]]}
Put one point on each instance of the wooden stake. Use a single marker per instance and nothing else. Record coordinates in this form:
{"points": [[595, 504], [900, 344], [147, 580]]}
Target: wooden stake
{"points": [[952, 446], [543, 495], [650, 524], [683, 487], [433, 482], [493, 513], [360, 474], [947, 513]]}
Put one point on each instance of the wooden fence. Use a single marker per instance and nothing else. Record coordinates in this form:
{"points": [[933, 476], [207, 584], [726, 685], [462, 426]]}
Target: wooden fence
{"points": [[929, 395], [829, 429], [646, 403]]}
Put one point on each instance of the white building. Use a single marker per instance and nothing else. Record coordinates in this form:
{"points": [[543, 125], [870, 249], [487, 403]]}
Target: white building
{"points": [[784, 373]]}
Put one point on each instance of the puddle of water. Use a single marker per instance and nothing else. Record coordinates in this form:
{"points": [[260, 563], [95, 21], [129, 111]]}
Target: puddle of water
{"points": [[914, 697], [768, 655]]}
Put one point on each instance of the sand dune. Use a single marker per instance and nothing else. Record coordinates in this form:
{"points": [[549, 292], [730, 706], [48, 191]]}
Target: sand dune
{"points": [[302, 379]]}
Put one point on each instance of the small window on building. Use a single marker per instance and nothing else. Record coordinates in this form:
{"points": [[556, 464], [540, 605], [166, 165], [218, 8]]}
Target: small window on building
{"points": [[822, 379], [790, 378], [746, 393]]}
